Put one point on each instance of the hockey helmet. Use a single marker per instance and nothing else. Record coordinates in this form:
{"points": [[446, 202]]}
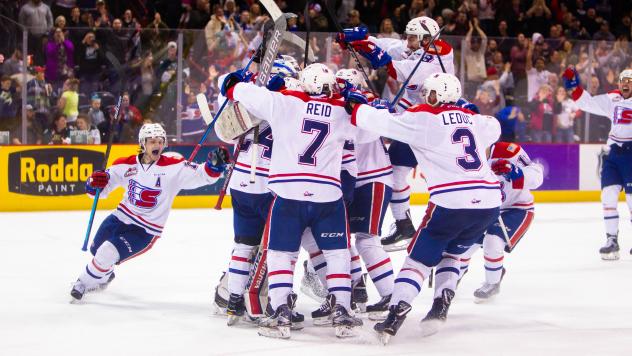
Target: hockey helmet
{"points": [[422, 26], [318, 79], [151, 131], [352, 76], [625, 74], [446, 86]]}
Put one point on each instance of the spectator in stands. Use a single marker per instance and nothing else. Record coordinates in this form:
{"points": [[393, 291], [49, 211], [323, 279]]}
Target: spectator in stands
{"points": [[487, 105], [537, 75], [58, 133], [147, 80], [129, 22], [59, 59], [624, 28], [542, 118], [319, 22], [14, 64], [512, 124], [387, 30], [487, 15], [38, 94], [77, 27], [577, 31], [185, 17], [231, 10], [102, 16], [566, 112], [155, 35], [586, 67], [246, 24], [129, 113], [474, 56], [34, 130], [8, 102], [200, 14], [540, 47], [95, 115], [167, 68], [555, 41], [590, 21], [60, 22], [68, 103], [538, 17], [371, 9], [604, 33], [217, 23], [90, 59], [37, 17], [83, 124], [518, 59]]}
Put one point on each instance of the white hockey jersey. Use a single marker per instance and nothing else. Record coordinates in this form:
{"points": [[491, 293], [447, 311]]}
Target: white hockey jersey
{"points": [[374, 164], [240, 178], [404, 62], [612, 106], [517, 194], [349, 162], [309, 137], [450, 143], [150, 189]]}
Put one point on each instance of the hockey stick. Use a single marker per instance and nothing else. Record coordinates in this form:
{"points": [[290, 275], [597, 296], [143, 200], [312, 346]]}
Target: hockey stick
{"points": [[352, 51], [307, 30], [117, 67], [405, 84], [501, 222]]}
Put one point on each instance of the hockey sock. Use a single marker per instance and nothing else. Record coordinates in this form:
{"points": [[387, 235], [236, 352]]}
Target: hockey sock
{"points": [[400, 200], [280, 276], [447, 274], [609, 201], [409, 281], [377, 262], [465, 258], [338, 278], [102, 265], [239, 268], [355, 264], [493, 248]]}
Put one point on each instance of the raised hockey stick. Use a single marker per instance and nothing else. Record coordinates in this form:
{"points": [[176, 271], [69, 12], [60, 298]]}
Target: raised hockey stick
{"points": [[405, 83], [117, 66], [351, 50], [307, 31]]}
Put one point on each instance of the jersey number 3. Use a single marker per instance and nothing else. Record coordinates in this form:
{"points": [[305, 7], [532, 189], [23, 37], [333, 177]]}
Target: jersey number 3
{"points": [[471, 161], [320, 130]]}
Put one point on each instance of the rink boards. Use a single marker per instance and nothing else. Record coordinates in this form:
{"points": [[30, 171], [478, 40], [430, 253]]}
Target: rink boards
{"points": [[46, 177]]}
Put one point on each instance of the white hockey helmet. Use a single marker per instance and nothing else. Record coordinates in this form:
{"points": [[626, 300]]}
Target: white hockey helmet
{"points": [[446, 86], [625, 74], [422, 26], [283, 67], [352, 76], [317, 79], [293, 84], [151, 131]]}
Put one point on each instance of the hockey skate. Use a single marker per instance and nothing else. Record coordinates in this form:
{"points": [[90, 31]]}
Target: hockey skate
{"points": [[438, 313], [394, 319], [400, 236], [79, 289], [278, 325], [486, 292], [219, 304], [297, 318], [610, 252], [379, 310], [311, 285], [235, 309], [343, 322], [323, 315], [359, 296]]}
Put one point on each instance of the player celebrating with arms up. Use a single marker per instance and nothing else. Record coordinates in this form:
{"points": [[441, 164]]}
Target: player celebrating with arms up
{"points": [[151, 181], [464, 193], [616, 171]]}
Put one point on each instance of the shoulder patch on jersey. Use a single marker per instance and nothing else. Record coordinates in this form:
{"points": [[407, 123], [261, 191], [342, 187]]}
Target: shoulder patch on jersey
{"points": [[505, 149], [125, 160], [616, 92], [306, 97], [168, 161], [438, 109]]}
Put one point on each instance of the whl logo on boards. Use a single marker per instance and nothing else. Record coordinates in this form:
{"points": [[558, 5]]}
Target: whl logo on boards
{"points": [[52, 171]]}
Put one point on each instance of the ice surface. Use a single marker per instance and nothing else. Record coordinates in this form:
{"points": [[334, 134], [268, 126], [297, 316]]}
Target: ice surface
{"points": [[558, 297]]}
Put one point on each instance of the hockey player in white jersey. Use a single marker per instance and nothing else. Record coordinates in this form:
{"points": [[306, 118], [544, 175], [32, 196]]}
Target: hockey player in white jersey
{"points": [[151, 181], [616, 169], [309, 130], [450, 142], [400, 57], [518, 175], [251, 200]]}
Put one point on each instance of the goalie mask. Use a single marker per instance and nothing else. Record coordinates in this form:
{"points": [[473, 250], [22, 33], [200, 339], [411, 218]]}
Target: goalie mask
{"points": [[446, 86], [151, 131], [352, 76], [318, 79], [285, 68]]}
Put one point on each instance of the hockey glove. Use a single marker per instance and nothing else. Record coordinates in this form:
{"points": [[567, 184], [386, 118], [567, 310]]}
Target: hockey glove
{"points": [[233, 78], [570, 78], [276, 83], [98, 179], [218, 159], [510, 171], [377, 56], [351, 34], [382, 104], [356, 97], [467, 105]]}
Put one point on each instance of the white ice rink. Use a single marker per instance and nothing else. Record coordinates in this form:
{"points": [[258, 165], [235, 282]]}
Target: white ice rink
{"points": [[558, 297]]}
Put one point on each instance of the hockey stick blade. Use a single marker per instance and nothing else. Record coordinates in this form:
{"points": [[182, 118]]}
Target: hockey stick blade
{"points": [[204, 108]]}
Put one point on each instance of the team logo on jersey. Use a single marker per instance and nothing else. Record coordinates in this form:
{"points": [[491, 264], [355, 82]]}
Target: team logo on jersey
{"points": [[141, 196], [132, 171], [190, 165], [242, 184], [622, 116], [157, 183], [475, 201], [412, 87], [308, 194]]}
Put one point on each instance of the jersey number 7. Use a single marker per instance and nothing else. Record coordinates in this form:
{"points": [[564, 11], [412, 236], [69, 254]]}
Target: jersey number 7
{"points": [[311, 127]]}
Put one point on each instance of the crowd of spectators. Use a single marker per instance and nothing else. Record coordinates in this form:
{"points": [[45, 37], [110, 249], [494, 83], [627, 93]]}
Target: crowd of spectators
{"points": [[510, 54]]}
